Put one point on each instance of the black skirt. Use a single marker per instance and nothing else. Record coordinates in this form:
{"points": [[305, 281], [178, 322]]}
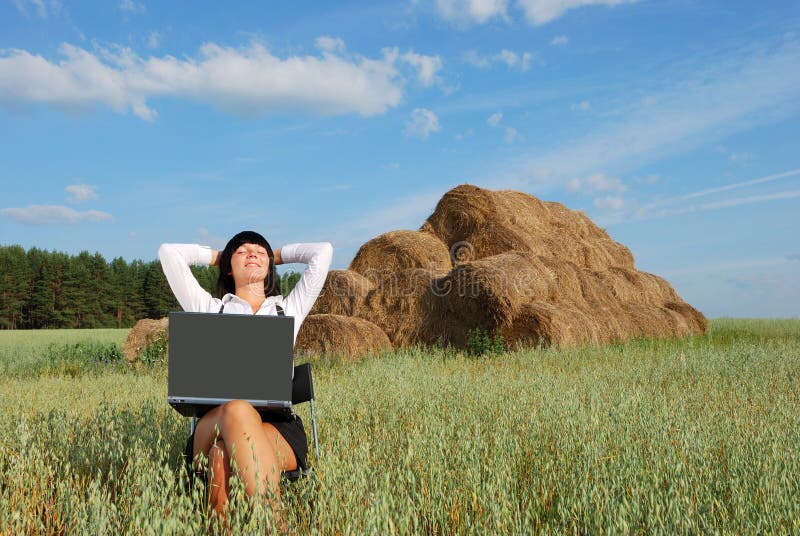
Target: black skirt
{"points": [[292, 431]]}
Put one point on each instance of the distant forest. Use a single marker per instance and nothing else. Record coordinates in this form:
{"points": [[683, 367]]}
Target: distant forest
{"points": [[50, 289]]}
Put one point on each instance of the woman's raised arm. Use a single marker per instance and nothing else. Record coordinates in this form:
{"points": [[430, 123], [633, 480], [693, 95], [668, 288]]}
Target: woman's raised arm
{"points": [[318, 257], [175, 261]]}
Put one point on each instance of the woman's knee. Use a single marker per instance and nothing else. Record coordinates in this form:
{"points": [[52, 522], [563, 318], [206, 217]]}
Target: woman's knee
{"points": [[238, 410]]}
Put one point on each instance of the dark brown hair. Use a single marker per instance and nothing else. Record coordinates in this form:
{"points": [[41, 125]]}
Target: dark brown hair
{"points": [[226, 284]]}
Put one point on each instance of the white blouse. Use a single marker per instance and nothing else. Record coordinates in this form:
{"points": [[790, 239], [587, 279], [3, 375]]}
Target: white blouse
{"points": [[176, 259]]}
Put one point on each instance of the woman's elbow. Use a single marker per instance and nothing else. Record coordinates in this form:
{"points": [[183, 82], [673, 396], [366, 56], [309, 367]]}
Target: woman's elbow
{"points": [[164, 250]]}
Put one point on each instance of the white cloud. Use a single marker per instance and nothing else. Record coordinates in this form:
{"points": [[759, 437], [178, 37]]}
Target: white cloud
{"points": [[246, 81], [539, 12], [609, 203], [494, 119], [511, 134], [465, 12], [714, 205], [53, 215], [559, 40], [153, 39], [596, 182], [581, 106], [42, 8], [525, 62], [422, 123], [509, 58], [728, 187], [427, 67], [129, 6], [391, 165], [471, 57], [77, 193], [329, 44]]}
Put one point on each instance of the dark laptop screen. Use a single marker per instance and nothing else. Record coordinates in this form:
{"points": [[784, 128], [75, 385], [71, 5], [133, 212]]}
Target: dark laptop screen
{"points": [[230, 356]]}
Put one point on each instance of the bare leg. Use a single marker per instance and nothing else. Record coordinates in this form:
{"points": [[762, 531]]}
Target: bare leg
{"points": [[261, 453], [219, 476]]}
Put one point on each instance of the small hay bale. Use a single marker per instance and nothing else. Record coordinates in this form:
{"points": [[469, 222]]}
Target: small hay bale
{"points": [[142, 335], [343, 293], [694, 319], [400, 250], [338, 335]]}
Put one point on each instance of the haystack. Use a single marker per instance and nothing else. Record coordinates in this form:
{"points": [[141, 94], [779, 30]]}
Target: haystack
{"points": [[144, 333], [344, 293], [400, 250], [537, 272], [338, 335]]}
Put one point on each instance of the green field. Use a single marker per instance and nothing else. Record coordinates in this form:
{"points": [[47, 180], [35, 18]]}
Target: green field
{"points": [[688, 436]]}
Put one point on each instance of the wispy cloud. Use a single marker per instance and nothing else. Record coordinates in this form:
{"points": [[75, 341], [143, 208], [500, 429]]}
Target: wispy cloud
{"points": [[427, 67], [735, 185], [245, 81], [612, 212], [596, 182], [559, 40], [77, 193], [423, 122], [520, 61], [464, 13], [131, 7], [741, 89], [153, 39], [726, 203], [539, 12], [53, 215], [41, 8]]}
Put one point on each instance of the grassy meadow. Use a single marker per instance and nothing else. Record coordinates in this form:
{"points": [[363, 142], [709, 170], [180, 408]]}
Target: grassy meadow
{"points": [[685, 436]]}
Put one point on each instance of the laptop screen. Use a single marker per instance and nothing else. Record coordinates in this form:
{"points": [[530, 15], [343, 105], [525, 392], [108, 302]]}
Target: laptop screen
{"points": [[227, 357]]}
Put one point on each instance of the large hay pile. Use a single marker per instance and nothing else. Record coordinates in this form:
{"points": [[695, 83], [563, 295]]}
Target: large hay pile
{"points": [[536, 272]]}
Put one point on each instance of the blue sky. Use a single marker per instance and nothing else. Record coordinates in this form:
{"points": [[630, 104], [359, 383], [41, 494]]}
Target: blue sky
{"points": [[673, 124]]}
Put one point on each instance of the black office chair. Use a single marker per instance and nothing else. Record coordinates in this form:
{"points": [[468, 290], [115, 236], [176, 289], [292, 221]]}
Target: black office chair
{"points": [[302, 391]]}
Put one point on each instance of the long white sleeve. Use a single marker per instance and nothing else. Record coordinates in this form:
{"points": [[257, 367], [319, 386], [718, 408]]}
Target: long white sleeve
{"points": [[175, 261], [318, 257]]}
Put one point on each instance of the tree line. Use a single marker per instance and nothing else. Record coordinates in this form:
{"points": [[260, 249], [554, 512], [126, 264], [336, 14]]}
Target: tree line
{"points": [[51, 289]]}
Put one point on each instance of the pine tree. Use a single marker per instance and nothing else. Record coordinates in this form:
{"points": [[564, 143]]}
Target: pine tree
{"points": [[15, 275]]}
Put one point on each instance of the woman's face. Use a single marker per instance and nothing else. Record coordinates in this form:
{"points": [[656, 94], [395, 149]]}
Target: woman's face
{"points": [[250, 264]]}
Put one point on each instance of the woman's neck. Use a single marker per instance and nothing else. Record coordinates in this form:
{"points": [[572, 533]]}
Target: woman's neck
{"points": [[252, 296]]}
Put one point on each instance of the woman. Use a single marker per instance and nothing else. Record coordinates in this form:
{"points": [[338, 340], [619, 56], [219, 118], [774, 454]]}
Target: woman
{"points": [[248, 284]]}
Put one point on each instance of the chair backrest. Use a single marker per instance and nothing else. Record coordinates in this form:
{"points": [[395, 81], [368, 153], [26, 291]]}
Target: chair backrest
{"points": [[302, 384]]}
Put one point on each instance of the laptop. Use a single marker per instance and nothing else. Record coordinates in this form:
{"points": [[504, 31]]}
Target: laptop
{"points": [[215, 358]]}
